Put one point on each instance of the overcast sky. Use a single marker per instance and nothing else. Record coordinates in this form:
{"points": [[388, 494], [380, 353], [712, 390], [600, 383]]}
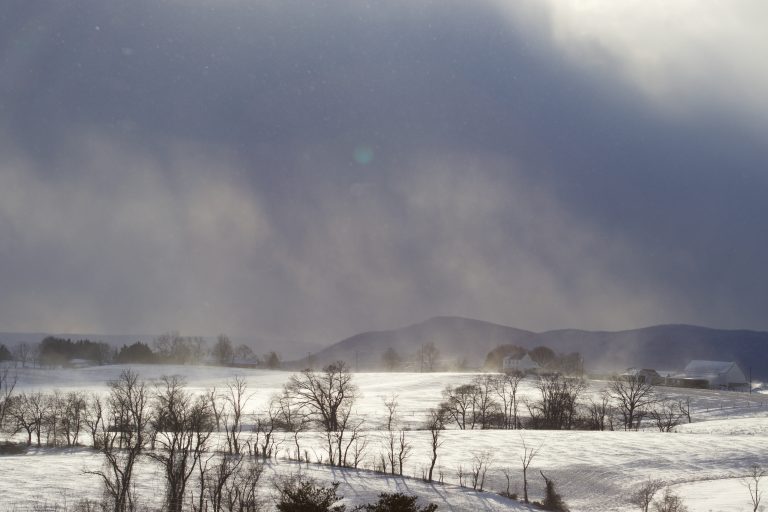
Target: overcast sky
{"points": [[307, 170]]}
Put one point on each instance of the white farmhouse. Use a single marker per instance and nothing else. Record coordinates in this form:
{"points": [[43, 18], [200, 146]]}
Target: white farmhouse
{"points": [[522, 364], [719, 374]]}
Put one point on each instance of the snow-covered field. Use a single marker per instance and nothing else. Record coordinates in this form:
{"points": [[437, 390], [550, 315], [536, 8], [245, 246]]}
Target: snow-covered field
{"points": [[595, 471]]}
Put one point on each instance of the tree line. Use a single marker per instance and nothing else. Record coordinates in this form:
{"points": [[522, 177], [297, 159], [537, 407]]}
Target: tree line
{"points": [[168, 348], [493, 401]]}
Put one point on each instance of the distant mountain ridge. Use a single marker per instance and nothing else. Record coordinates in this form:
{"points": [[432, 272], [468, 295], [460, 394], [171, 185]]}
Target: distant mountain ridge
{"points": [[662, 347]]}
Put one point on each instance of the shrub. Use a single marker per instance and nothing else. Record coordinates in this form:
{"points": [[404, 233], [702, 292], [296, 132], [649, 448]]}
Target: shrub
{"points": [[396, 502], [670, 502], [304, 495], [9, 448], [552, 499]]}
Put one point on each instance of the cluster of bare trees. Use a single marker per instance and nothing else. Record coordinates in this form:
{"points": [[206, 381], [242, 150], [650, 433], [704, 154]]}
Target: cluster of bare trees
{"points": [[176, 429], [53, 419], [488, 401], [644, 493], [557, 407], [397, 447], [208, 445], [634, 399], [627, 402]]}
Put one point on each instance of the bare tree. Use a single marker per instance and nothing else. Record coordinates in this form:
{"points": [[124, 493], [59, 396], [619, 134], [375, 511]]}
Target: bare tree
{"points": [[460, 404], [643, 494], [183, 426], [213, 480], [430, 355], [23, 417], [391, 359], [398, 446], [173, 347], [556, 409], [75, 406], [7, 386], [665, 414], [329, 395], [480, 464], [222, 350], [404, 449], [52, 420], [525, 459], [216, 405], [240, 491], [348, 435], [633, 394], [684, 405], [507, 472], [505, 386], [598, 411], [123, 439], [356, 447], [22, 353], [293, 418], [235, 398], [265, 425], [486, 408], [390, 403], [37, 409], [435, 424], [246, 353], [272, 360], [94, 418], [752, 483]]}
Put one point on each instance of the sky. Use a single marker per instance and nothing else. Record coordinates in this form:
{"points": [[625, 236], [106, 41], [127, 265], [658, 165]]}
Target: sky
{"points": [[306, 170]]}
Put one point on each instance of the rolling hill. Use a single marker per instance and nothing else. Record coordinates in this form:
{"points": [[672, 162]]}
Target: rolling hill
{"points": [[663, 347]]}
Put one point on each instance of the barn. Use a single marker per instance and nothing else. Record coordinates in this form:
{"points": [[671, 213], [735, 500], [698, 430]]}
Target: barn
{"points": [[719, 374]]}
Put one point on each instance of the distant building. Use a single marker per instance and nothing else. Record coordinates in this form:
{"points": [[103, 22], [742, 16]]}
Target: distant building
{"points": [[522, 364], [718, 374], [80, 363], [643, 375]]}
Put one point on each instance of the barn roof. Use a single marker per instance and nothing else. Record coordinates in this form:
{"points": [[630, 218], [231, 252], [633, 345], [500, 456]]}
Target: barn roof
{"points": [[700, 367]]}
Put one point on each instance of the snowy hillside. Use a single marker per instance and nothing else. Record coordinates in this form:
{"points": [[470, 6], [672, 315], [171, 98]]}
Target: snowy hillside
{"points": [[594, 470]]}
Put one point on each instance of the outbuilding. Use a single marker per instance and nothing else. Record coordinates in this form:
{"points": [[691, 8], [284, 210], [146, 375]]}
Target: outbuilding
{"points": [[521, 364], [719, 374]]}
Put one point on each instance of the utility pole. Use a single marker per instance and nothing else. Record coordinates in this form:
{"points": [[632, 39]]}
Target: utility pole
{"points": [[357, 366], [421, 357]]}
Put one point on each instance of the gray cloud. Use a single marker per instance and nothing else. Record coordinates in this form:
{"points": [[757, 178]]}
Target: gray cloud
{"points": [[307, 171], [684, 56]]}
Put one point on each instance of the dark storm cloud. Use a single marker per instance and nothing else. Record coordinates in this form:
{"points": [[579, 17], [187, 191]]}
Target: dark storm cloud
{"points": [[307, 170]]}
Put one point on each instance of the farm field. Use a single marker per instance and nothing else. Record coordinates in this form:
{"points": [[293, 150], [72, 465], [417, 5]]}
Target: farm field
{"points": [[594, 471]]}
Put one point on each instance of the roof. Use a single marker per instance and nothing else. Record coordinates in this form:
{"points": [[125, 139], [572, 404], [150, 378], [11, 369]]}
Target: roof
{"points": [[641, 371], [700, 367]]}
